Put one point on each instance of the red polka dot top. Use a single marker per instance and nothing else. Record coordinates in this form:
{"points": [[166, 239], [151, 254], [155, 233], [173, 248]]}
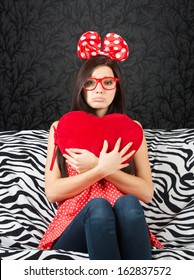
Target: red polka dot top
{"points": [[68, 209]]}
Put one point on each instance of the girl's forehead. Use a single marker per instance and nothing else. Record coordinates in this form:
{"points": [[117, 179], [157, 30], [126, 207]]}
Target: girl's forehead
{"points": [[102, 71]]}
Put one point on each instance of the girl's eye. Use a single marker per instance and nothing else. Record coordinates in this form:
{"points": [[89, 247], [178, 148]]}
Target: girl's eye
{"points": [[108, 82], [89, 83]]}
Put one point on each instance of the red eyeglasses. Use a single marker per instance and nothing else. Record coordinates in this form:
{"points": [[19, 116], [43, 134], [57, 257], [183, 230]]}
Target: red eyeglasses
{"points": [[108, 83]]}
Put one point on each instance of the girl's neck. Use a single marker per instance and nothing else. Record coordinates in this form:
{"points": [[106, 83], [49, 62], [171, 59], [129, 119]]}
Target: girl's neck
{"points": [[101, 112]]}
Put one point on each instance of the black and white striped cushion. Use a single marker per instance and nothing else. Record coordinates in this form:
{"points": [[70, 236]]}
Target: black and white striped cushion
{"points": [[171, 213]]}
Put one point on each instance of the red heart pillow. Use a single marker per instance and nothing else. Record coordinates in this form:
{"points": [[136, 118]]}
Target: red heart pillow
{"points": [[79, 129]]}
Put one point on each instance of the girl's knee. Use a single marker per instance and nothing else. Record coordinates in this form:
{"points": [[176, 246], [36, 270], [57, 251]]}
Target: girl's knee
{"points": [[128, 204], [98, 201], [99, 208], [127, 200]]}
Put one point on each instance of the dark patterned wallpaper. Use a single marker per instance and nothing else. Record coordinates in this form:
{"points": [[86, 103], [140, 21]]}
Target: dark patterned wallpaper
{"points": [[38, 59]]}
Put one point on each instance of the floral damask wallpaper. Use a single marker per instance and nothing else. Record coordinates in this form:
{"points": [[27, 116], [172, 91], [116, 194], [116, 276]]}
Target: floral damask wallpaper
{"points": [[38, 59]]}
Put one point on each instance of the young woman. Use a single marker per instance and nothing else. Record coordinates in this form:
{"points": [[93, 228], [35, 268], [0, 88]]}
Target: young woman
{"points": [[99, 212]]}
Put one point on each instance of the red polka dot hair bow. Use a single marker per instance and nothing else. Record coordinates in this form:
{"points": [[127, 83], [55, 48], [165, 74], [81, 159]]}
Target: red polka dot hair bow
{"points": [[113, 46]]}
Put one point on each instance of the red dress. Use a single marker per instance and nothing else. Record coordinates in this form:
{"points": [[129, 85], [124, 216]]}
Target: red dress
{"points": [[68, 209]]}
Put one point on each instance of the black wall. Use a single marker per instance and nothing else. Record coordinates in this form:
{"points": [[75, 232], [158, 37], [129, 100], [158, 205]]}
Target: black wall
{"points": [[38, 58]]}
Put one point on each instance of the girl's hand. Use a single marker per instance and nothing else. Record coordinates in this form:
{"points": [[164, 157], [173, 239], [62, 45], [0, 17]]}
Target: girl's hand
{"points": [[111, 162], [81, 160]]}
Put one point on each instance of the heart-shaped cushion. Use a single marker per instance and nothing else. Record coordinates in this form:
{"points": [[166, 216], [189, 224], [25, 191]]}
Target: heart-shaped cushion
{"points": [[82, 130]]}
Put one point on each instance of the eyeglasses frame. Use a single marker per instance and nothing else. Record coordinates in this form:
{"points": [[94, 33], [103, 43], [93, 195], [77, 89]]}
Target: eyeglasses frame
{"points": [[99, 80]]}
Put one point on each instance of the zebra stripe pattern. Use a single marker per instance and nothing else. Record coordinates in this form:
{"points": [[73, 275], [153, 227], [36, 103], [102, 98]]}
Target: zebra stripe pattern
{"points": [[25, 212]]}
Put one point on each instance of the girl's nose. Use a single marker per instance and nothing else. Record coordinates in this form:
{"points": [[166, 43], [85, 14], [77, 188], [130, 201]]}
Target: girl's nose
{"points": [[99, 87]]}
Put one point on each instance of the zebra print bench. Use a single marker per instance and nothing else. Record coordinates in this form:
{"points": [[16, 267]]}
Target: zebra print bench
{"points": [[25, 211]]}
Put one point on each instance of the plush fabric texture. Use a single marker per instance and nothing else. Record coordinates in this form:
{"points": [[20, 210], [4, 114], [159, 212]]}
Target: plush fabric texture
{"points": [[25, 212], [85, 131]]}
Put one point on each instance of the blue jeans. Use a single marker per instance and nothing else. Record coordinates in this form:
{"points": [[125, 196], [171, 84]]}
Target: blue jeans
{"points": [[108, 233]]}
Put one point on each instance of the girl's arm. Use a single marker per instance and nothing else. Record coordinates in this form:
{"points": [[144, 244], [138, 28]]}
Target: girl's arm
{"points": [[140, 185], [58, 188]]}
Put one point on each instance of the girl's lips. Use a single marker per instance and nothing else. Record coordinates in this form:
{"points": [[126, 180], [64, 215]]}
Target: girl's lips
{"points": [[98, 99]]}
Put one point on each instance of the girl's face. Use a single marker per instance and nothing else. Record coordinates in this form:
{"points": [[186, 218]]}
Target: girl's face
{"points": [[100, 98]]}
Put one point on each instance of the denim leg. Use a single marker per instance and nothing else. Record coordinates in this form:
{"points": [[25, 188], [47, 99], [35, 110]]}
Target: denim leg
{"points": [[132, 229], [93, 230], [101, 232], [73, 238]]}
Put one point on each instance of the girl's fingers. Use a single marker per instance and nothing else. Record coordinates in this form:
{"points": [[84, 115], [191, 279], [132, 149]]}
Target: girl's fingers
{"points": [[105, 147], [67, 157], [126, 148], [70, 159], [71, 153], [127, 156], [75, 150], [117, 145], [72, 165], [124, 165]]}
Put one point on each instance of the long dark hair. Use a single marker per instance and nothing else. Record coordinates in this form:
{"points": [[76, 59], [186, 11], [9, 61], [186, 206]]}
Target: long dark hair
{"points": [[78, 102], [86, 70]]}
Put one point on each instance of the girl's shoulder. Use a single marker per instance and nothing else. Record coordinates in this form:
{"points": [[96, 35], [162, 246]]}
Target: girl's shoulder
{"points": [[54, 124]]}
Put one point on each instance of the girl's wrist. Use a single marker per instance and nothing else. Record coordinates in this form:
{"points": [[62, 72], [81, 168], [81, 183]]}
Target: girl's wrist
{"points": [[95, 162]]}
